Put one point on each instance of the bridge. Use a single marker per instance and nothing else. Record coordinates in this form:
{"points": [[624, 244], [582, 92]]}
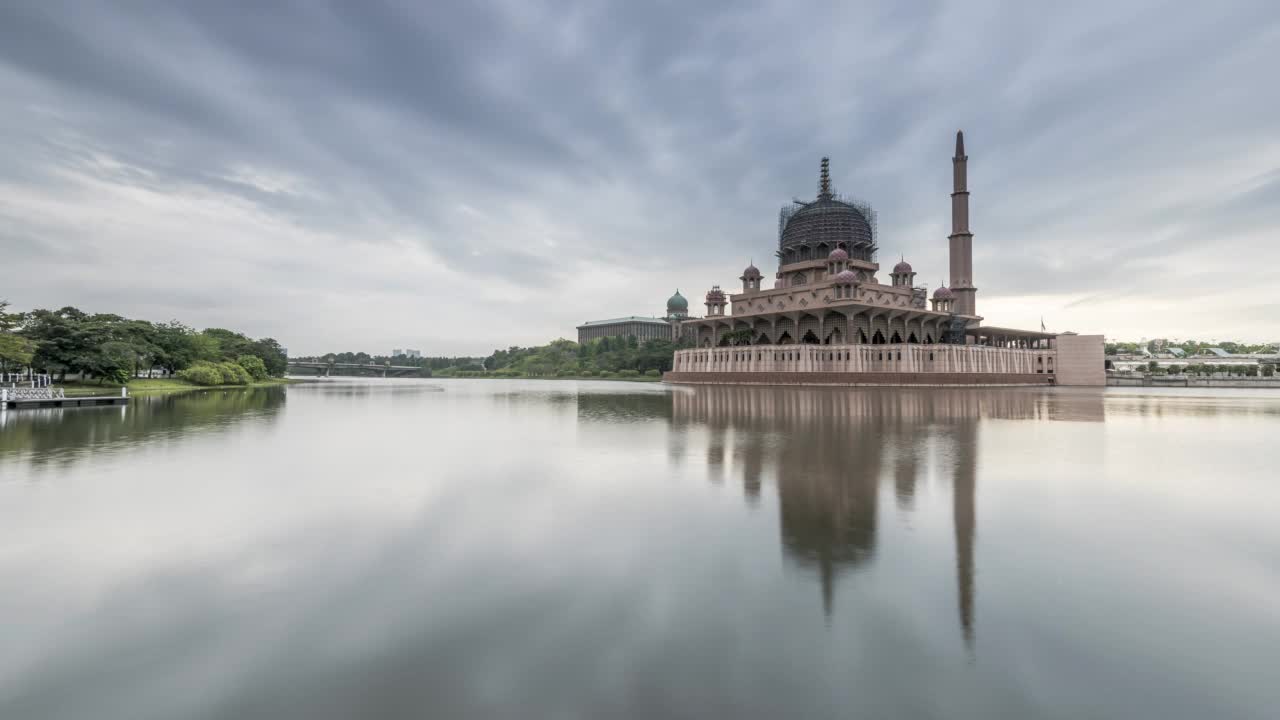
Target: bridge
{"points": [[324, 369]]}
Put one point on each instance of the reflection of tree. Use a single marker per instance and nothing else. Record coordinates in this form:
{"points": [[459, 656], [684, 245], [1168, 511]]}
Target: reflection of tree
{"points": [[66, 436]]}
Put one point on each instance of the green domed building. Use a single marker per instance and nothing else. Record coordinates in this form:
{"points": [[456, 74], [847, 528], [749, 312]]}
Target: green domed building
{"points": [[666, 327]]}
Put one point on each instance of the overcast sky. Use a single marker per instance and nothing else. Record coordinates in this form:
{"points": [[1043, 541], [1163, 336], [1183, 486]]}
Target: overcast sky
{"points": [[456, 177]]}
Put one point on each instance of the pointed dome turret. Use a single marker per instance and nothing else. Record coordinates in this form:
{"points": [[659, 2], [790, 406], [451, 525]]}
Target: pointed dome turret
{"points": [[677, 304]]}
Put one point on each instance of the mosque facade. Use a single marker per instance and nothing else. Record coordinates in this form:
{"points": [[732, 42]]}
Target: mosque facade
{"points": [[830, 318]]}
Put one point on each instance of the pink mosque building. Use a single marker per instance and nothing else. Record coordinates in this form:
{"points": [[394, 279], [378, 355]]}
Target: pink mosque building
{"points": [[829, 319]]}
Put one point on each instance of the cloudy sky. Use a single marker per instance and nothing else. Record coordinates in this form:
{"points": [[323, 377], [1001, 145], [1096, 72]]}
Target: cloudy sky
{"points": [[457, 177]]}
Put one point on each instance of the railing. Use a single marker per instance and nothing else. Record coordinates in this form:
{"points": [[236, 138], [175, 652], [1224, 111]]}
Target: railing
{"points": [[30, 393], [913, 358]]}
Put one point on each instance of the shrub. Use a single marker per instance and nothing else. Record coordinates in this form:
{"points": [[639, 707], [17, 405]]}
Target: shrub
{"points": [[652, 372], [253, 365], [201, 373], [233, 374], [629, 373], [1268, 370], [608, 374]]}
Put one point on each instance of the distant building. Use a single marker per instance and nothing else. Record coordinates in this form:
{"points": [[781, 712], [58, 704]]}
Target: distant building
{"points": [[1215, 352], [641, 328], [414, 354], [397, 352]]}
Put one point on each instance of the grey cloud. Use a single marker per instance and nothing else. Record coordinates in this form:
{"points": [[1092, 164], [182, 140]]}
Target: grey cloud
{"points": [[661, 137]]}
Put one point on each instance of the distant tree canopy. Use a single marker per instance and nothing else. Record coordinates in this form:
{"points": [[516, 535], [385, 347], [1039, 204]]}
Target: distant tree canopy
{"points": [[565, 357], [1190, 347], [114, 348], [364, 358]]}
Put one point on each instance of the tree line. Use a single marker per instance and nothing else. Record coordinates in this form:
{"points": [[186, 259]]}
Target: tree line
{"points": [[115, 348], [603, 357], [1190, 347], [426, 363]]}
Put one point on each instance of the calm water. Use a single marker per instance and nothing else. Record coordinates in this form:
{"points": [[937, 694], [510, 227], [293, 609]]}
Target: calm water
{"points": [[507, 549]]}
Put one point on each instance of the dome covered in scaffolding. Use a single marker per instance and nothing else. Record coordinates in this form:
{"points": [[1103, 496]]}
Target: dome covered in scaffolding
{"points": [[812, 230]]}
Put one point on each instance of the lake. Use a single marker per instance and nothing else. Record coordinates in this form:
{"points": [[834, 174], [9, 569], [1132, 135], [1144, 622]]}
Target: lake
{"points": [[560, 549]]}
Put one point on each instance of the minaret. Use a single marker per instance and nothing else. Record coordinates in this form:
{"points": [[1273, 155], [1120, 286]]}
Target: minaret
{"points": [[824, 180], [961, 238]]}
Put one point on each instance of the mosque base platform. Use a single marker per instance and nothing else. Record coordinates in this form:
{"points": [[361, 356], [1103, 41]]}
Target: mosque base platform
{"points": [[860, 379]]}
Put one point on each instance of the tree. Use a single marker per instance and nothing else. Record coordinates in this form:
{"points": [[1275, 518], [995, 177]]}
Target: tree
{"points": [[15, 351], [272, 355], [254, 366], [113, 361]]}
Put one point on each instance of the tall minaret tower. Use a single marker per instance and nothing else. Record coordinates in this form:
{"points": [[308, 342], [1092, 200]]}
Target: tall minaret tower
{"points": [[961, 238]]}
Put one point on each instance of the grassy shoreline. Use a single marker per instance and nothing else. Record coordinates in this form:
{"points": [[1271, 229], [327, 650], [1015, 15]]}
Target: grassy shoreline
{"points": [[148, 386]]}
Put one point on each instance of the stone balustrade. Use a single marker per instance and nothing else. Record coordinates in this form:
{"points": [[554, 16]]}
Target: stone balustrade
{"points": [[894, 358]]}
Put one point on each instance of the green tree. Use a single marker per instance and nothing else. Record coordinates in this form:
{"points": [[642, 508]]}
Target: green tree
{"points": [[254, 366], [15, 351]]}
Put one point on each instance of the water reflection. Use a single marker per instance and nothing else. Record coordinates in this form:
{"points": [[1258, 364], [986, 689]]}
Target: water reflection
{"points": [[829, 450], [61, 438]]}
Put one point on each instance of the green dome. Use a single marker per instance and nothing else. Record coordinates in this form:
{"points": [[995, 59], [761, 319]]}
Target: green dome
{"points": [[677, 303]]}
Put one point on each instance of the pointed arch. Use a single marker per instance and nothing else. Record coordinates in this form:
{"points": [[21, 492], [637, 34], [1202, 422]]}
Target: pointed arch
{"points": [[785, 338], [810, 338], [896, 339], [912, 338], [877, 338]]}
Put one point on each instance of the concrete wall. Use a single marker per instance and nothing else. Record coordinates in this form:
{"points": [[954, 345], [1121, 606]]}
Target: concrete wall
{"points": [[1080, 360]]}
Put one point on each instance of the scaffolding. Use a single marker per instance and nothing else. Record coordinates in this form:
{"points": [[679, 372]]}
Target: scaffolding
{"points": [[809, 230]]}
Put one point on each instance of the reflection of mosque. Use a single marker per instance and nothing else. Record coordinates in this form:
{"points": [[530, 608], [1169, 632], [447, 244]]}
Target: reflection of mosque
{"points": [[829, 449]]}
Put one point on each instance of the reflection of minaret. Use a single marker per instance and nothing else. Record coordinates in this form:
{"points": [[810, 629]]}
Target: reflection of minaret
{"points": [[963, 510], [905, 472], [752, 458]]}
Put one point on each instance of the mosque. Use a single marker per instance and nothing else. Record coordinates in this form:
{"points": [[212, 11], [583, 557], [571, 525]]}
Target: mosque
{"points": [[830, 320]]}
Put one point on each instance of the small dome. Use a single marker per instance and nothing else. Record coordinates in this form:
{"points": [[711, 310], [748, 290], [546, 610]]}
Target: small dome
{"points": [[943, 293], [902, 268], [838, 255], [677, 302], [751, 272], [715, 294], [846, 277]]}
